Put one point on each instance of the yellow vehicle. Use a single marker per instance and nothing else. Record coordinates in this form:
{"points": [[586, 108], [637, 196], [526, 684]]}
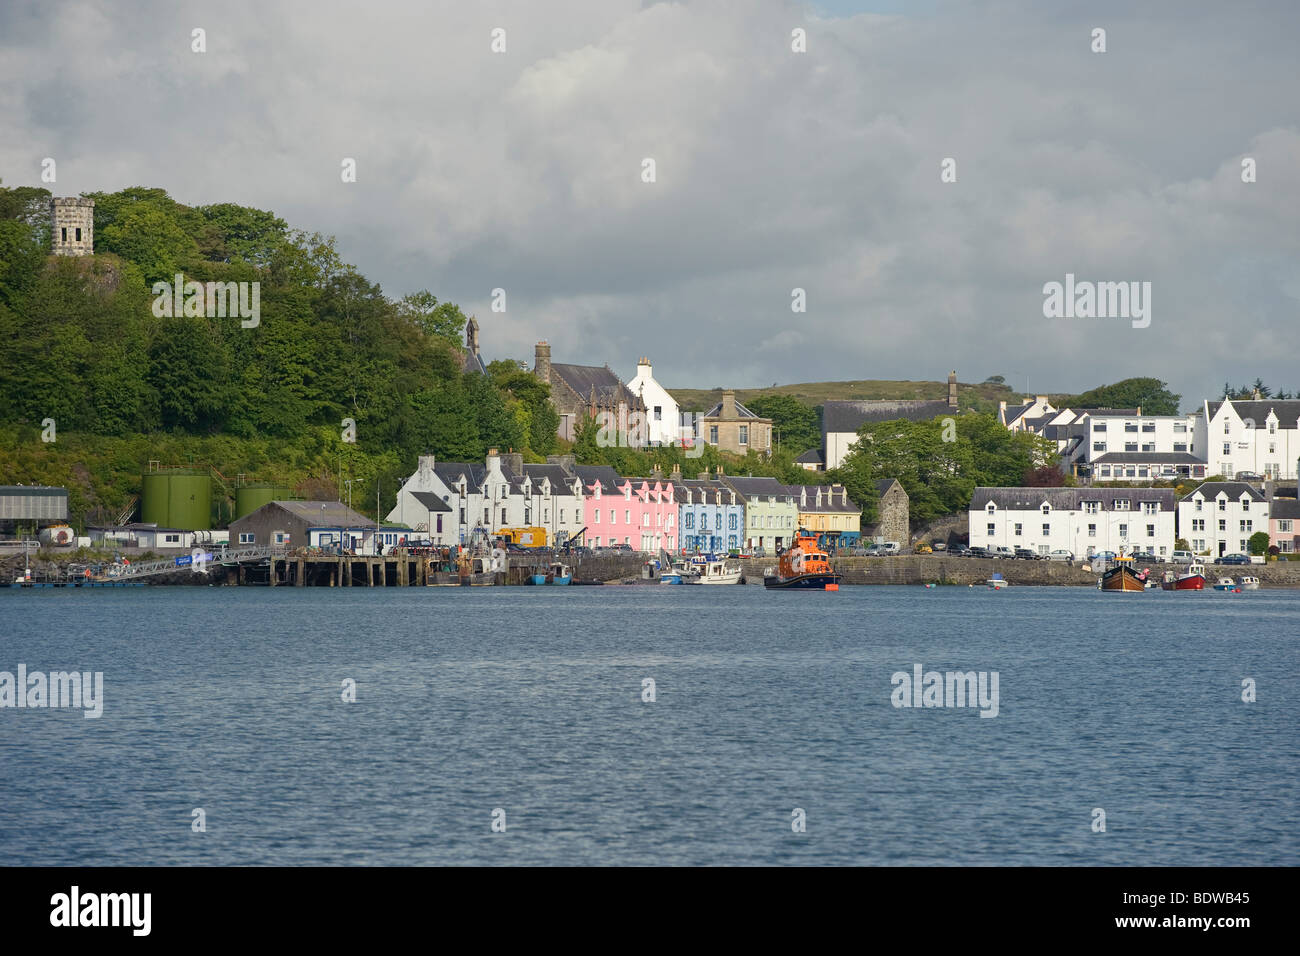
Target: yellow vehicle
{"points": [[525, 537], [924, 549]]}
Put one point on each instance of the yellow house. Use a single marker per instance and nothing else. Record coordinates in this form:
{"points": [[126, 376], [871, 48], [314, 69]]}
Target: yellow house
{"points": [[827, 511]]}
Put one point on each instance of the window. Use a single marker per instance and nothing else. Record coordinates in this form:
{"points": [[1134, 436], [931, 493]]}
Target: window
{"points": [[1150, 507], [1046, 509], [1180, 446], [63, 234], [1199, 502], [1105, 471], [1092, 531], [1130, 446], [247, 537], [1130, 426], [487, 515], [744, 434], [659, 413], [1018, 526], [439, 524], [1198, 524], [731, 523], [690, 521], [645, 519], [1223, 524], [1245, 526], [1047, 531], [1143, 471], [503, 515], [1227, 448], [713, 434], [1148, 426], [598, 541], [1151, 531], [1091, 507], [1099, 446], [627, 516], [1123, 531], [1272, 426], [992, 531], [1180, 428], [1225, 427], [1121, 504], [1099, 426], [1284, 525], [612, 519], [596, 516], [990, 508], [1245, 504], [172, 538], [78, 232], [1148, 446]]}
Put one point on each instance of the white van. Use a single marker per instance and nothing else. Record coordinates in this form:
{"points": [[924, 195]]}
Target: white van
{"points": [[890, 547], [1182, 557]]}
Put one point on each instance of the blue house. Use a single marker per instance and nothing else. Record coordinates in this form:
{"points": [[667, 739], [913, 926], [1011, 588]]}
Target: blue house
{"points": [[710, 515]]}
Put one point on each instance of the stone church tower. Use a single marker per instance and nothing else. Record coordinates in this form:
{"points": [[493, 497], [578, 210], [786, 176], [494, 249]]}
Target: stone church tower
{"points": [[72, 226]]}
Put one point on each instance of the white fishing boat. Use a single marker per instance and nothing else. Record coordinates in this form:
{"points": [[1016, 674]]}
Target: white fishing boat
{"points": [[997, 582], [1248, 582], [714, 571]]}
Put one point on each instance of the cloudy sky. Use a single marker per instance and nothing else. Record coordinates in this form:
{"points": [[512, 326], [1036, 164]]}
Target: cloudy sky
{"points": [[775, 170]]}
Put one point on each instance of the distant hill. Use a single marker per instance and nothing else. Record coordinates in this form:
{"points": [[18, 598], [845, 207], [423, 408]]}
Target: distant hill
{"points": [[815, 393]]}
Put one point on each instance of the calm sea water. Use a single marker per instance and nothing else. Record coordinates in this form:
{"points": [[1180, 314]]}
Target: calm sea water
{"points": [[530, 700]]}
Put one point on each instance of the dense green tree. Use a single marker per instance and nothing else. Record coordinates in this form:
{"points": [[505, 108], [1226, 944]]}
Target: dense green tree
{"points": [[1149, 394], [423, 310], [798, 426]]}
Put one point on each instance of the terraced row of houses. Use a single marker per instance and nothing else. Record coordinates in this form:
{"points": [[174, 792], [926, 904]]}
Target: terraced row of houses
{"points": [[1217, 518], [445, 502]]}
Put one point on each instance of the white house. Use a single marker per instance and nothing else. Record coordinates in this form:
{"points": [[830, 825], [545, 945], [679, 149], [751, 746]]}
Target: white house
{"points": [[1080, 520], [1121, 446], [1220, 516], [1259, 436], [446, 501], [663, 417], [1031, 416]]}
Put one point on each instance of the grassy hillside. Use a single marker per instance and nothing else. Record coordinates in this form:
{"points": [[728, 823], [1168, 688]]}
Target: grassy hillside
{"points": [[815, 393]]}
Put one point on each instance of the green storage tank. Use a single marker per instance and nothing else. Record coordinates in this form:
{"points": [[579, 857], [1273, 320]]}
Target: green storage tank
{"points": [[250, 497], [178, 498]]}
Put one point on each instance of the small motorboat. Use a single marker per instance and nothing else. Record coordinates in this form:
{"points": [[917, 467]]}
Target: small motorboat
{"points": [[711, 570], [997, 582], [555, 574], [1123, 578], [1193, 579], [1248, 582], [1226, 584]]}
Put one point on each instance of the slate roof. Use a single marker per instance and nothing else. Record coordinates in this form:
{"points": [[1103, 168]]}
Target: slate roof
{"points": [[850, 416], [1069, 499], [335, 514], [450, 471], [473, 362], [1039, 423], [884, 484], [1287, 411], [589, 474], [1148, 458], [557, 475], [748, 487], [831, 503], [1284, 508], [583, 379], [1015, 411], [812, 456], [430, 501], [741, 412], [1233, 489], [696, 487]]}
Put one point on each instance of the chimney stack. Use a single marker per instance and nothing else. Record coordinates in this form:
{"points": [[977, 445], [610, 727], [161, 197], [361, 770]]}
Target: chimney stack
{"points": [[542, 361], [728, 411], [952, 390]]}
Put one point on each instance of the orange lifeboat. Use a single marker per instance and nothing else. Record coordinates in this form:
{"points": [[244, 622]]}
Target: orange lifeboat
{"points": [[804, 567]]}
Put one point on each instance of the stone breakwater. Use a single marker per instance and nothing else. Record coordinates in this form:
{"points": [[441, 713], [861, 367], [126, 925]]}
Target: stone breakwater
{"points": [[923, 569]]}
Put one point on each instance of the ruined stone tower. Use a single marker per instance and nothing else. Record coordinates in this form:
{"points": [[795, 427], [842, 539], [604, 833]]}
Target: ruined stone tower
{"points": [[72, 226], [542, 361]]}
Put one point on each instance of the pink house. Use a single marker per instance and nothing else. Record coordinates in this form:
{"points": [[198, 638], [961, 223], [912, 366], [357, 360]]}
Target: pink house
{"points": [[1284, 525], [639, 512]]}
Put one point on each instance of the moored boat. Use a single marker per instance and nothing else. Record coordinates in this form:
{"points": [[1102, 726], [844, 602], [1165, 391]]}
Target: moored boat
{"points": [[997, 582], [1193, 579], [555, 574], [1122, 577], [711, 570], [802, 567], [1226, 584], [1248, 582]]}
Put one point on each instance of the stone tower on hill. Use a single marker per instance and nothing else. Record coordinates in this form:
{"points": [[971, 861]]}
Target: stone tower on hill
{"points": [[72, 226]]}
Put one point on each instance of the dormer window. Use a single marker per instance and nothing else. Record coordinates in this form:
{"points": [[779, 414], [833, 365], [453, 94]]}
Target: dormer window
{"points": [[1120, 504], [1046, 509], [1245, 504], [991, 508]]}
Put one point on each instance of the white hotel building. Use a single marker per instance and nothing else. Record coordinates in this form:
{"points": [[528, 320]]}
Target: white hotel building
{"points": [[1260, 436], [1220, 516], [1080, 520]]}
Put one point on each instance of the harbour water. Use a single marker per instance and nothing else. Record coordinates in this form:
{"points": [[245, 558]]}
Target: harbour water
{"points": [[530, 701]]}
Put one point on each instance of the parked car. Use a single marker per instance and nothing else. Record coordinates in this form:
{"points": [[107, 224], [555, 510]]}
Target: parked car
{"points": [[959, 551], [1182, 557], [1104, 556], [1061, 554], [1146, 557], [977, 551], [1026, 554], [923, 549], [1233, 559], [939, 546], [1247, 476], [1002, 551]]}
